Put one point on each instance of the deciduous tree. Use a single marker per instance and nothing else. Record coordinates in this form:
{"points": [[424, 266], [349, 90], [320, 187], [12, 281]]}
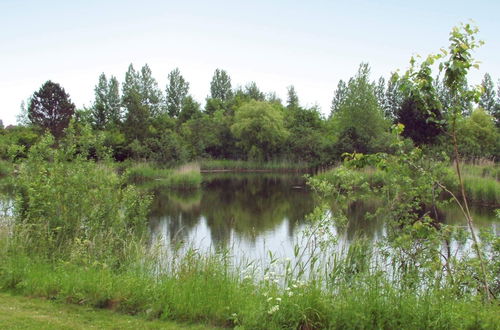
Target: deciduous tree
{"points": [[220, 87], [292, 100], [176, 92], [260, 128]]}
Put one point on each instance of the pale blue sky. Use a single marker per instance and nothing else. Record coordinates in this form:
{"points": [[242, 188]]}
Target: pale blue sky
{"points": [[310, 44]]}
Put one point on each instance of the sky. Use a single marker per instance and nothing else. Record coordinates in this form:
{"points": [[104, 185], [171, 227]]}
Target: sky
{"points": [[308, 44]]}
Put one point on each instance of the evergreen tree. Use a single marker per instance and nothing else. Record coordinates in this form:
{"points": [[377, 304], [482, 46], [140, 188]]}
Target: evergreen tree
{"points": [[177, 90], [51, 108], [292, 99], [220, 87]]}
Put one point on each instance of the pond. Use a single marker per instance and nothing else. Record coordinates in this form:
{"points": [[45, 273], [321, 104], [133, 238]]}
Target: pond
{"points": [[252, 214]]}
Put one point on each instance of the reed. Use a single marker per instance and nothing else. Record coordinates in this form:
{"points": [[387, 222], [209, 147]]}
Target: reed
{"points": [[185, 177], [241, 165]]}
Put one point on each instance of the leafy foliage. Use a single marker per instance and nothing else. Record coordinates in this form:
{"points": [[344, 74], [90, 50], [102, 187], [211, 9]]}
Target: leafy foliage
{"points": [[220, 87], [359, 123], [70, 208], [260, 129], [177, 90], [51, 108]]}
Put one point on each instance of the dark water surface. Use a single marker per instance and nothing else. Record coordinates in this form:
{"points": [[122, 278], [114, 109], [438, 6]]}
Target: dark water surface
{"points": [[254, 213]]}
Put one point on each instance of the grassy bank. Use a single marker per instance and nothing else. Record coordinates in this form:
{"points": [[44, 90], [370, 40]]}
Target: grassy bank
{"points": [[204, 289], [482, 182], [184, 177], [18, 312], [241, 165]]}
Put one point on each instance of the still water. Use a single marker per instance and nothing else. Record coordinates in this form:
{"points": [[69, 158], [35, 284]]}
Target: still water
{"points": [[252, 214]]}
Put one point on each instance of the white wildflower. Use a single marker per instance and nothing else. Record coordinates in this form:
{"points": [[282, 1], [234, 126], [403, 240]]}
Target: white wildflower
{"points": [[273, 309]]}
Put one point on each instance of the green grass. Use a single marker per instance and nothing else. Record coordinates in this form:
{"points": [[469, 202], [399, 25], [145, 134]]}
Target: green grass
{"points": [[483, 190], [481, 182], [205, 289], [485, 169], [29, 313], [184, 177], [242, 165], [6, 168]]}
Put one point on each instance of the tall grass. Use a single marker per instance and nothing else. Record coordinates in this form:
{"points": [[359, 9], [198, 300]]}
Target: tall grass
{"points": [[185, 177], [242, 165], [206, 288], [482, 182], [6, 168]]}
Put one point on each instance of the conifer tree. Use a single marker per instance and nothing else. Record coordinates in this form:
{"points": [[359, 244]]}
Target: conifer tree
{"points": [[51, 108]]}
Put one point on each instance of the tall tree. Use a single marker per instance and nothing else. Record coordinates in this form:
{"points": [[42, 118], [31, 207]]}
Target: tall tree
{"points": [[151, 95], [114, 102], [177, 90], [379, 89], [51, 108], [272, 97], [106, 107], [99, 110], [359, 121], [496, 113], [292, 100], [137, 115], [488, 100], [220, 87], [338, 97], [421, 125], [253, 92], [190, 109], [393, 97], [22, 118]]}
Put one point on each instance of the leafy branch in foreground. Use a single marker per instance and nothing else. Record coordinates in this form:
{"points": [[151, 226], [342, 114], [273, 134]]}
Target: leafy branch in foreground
{"points": [[419, 82], [414, 184]]}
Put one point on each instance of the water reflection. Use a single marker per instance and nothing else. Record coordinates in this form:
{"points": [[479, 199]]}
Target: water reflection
{"points": [[254, 213], [233, 209]]}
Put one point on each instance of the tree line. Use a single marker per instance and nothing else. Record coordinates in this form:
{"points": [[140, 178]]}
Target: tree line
{"points": [[140, 121]]}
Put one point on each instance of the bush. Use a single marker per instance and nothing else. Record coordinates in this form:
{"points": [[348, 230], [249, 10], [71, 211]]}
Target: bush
{"points": [[70, 207]]}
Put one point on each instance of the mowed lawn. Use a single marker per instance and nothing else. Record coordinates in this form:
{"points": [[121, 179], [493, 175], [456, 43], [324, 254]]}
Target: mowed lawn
{"points": [[18, 312]]}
